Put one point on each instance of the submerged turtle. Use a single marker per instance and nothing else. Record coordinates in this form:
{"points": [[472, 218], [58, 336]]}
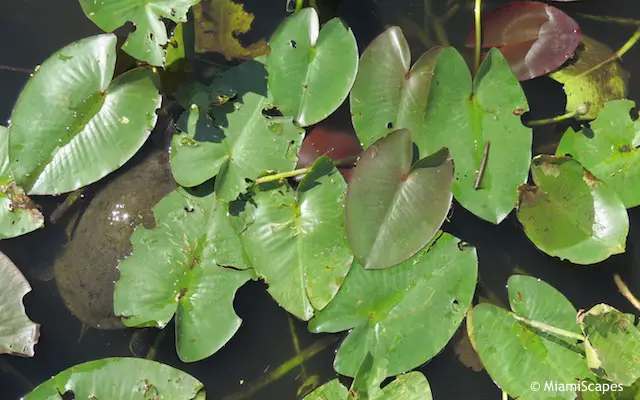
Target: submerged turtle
{"points": [[86, 271]]}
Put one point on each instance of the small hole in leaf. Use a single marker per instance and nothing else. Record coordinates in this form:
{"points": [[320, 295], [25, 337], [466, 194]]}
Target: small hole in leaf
{"points": [[389, 125], [294, 44], [455, 302], [151, 36], [633, 113], [188, 209]]}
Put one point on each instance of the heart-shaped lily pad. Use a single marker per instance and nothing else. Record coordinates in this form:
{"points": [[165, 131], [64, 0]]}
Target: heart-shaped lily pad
{"points": [[190, 265], [612, 345], [234, 141], [296, 240], [122, 379], [570, 213], [593, 87], [72, 125], [311, 70], [503, 342], [534, 37], [147, 43], [395, 208], [18, 334], [18, 214], [388, 95], [608, 148], [405, 314], [441, 106]]}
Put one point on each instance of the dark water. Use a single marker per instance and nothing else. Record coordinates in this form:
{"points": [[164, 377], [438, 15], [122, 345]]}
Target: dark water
{"points": [[32, 29]]}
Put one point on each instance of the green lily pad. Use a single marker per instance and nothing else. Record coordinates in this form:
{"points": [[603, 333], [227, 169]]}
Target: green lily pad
{"points": [[332, 390], [366, 385], [296, 240], [372, 371], [570, 213], [612, 345], [388, 95], [18, 214], [190, 265], [595, 88], [234, 141], [147, 43], [395, 208], [72, 125], [516, 355], [608, 148], [311, 70], [5, 167], [18, 334], [122, 379], [441, 106], [405, 314]]}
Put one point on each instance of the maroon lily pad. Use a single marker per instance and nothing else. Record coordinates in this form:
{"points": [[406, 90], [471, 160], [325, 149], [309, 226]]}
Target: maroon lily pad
{"points": [[534, 37], [333, 137]]}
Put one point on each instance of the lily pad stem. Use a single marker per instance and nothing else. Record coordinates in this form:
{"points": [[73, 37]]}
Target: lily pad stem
{"points": [[437, 23], [614, 20], [476, 13], [624, 290], [617, 55], [582, 109], [296, 172], [548, 328], [16, 69], [298, 5], [296, 345], [285, 368], [483, 165]]}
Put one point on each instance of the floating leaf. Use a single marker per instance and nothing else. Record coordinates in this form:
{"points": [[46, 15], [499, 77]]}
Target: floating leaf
{"points": [[612, 345], [5, 168], [596, 87], [120, 378], [486, 130], [18, 214], [372, 371], [534, 37], [387, 95], [405, 314], [191, 264], [441, 106], [311, 71], [366, 385], [72, 125], [503, 342], [297, 242], [390, 199], [176, 59], [570, 213], [332, 390], [218, 23], [333, 137], [18, 334], [147, 43], [236, 142], [608, 148]]}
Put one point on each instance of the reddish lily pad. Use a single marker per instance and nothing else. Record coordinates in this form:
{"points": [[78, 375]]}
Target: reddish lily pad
{"points": [[395, 208], [534, 37], [333, 137]]}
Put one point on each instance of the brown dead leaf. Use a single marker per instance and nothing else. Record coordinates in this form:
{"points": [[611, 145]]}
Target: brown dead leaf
{"points": [[217, 25]]}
